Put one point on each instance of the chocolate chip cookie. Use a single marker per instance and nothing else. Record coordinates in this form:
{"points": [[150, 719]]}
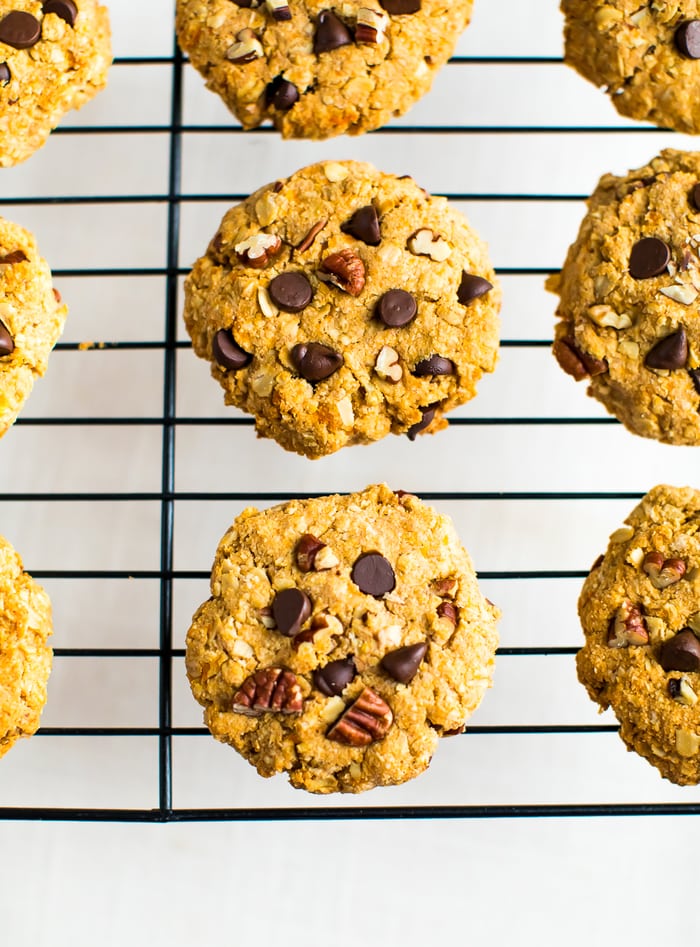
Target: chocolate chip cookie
{"points": [[32, 316], [25, 656], [629, 292], [343, 304], [319, 68], [343, 638], [644, 54], [640, 611], [54, 57]]}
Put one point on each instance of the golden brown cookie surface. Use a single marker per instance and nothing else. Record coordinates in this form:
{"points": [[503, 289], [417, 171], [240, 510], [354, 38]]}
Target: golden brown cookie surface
{"points": [[640, 611], [318, 68], [344, 636], [343, 304]]}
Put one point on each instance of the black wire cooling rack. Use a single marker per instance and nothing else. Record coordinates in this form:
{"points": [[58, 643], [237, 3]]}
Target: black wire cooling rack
{"points": [[167, 496]]}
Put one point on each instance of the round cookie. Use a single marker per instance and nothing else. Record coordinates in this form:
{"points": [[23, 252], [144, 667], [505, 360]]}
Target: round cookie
{"points": [[344, 637], [31, 319], [25, 656], [343, 304], [54, 57], [640, 612], [319, 68], [644, 54], [629, 292]]}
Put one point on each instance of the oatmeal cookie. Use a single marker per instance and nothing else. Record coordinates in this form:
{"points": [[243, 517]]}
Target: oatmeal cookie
{"points": [[343, 638], [343, 304]]}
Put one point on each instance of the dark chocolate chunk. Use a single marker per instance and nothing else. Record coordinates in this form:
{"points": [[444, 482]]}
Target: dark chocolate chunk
{"points": [[290, 609], [364, 226], [426, 421], [397, 308], [649, 257], [435, 365], [695, 378], [695, 197], [228, 353], [5, 74], [373, 575], [291, 292], [314, 361], [66, 9], [472, 287], [674, 687], [681, 653], [7, 345], [331, 33], [397, 7], [671, 352], [332, 679], [403, 663], [687, 38], [281, 94], [20, 30]]}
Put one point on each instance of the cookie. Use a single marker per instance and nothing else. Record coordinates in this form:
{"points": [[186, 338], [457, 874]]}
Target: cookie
{"points": [[54, 57], [25, 656], [317, 69], [343, 304], [640, 612], [343, 638], [629, 293], [645, 55], [32, 316]]}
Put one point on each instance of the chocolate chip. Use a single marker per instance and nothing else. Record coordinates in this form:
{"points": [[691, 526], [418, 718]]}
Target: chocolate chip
{"points": [[426, 421], [290, 609], [397, 7], [291, 292], [671, 352], [695, 197], [695, 378], [281, 94], [364, 226], [306, 551], [681, 653], [396, 308], [314, 361], [20, 30], [227, 353], [403, 663], [66, 9], [687, 39], [649, 257], [332, 679], [373, 575], [7, 346], [5, 74], [435, 365], [674, 687], [472, 287], [331, 33]]}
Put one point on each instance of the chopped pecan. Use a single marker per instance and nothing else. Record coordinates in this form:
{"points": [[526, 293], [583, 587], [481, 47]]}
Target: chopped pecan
{"points": [[370, 26], [576, 363], [627, 627], [314, 556], [269, 690], [663, 572], [449, 611], [446, 587], [387, 364], [365, 721], [16, 256], [346, 271], [258, 250], [427, 243], [308, 240], [246, 48]]}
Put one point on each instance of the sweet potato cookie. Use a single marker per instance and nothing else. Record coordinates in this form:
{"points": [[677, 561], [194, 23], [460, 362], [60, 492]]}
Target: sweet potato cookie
{"points": [[640, 611], [319, 68], [630, 289], [645, 54], [343, 304], [31, 319], [25, 657], [344, 637], [54, 57]]}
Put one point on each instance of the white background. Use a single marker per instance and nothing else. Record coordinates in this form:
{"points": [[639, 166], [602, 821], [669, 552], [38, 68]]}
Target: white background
{"points": [[497, 881]]}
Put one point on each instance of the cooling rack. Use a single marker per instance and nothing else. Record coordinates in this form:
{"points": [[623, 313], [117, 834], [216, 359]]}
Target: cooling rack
{"points": [[125, 469]]}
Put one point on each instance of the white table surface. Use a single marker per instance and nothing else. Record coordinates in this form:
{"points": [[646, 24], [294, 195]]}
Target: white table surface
{"points": [[491, 881]]}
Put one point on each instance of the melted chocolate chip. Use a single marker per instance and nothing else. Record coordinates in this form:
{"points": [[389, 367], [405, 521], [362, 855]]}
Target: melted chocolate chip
{"points": [[426, 421], [228, 353], [398, 7], [681, 653], [314, 361], [66, 9], [364, 226], [290, 609], [670, 353], [403, 663], [332, 679], [649, 257], [7, 345], [20, 30], [435, 365], [5, 74], [331, 33], [472, 287], [687, 39], [695, 378], [373, 575], [291, 292], [695, 197], [282, 94], [396, 308]]}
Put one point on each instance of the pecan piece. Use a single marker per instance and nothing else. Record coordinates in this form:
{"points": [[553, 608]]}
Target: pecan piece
{"points": [[346, 271], [627, 627], [370, 26], [365, 721], [663, 572], [314, 556], [428, 243], [258, 250], [246, 48], [576, 363], [449, 611], [269, 690], [387, 365]]}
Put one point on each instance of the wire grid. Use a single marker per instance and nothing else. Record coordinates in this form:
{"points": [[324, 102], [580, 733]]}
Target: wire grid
{"points": [[167, 576]]}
